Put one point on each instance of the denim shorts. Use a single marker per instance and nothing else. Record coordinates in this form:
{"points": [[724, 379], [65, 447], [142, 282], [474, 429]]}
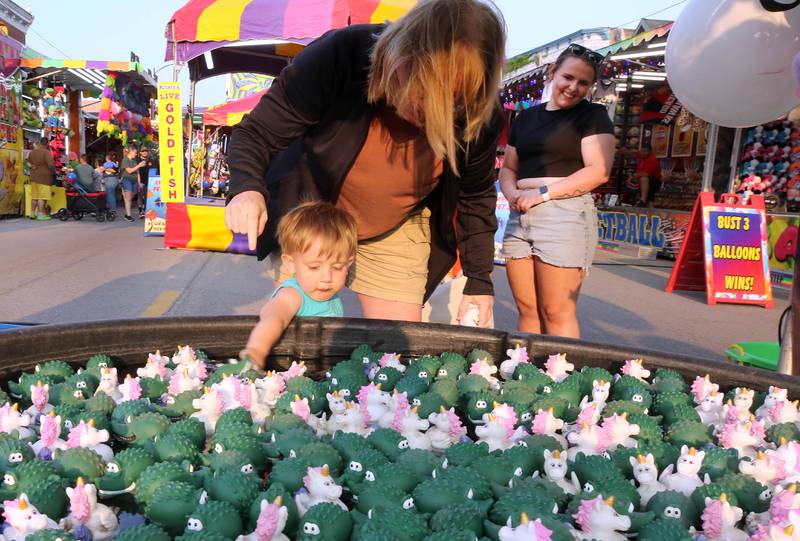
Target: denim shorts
{"points": [[129, 185], [560, 232]]}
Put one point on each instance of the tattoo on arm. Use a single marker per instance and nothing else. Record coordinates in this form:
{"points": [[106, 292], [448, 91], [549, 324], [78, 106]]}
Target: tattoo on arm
{"points": [[576, 193]]}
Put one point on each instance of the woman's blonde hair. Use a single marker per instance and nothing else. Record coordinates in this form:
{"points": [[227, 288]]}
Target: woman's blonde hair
{"points": [[450, 54], [334, 228]]}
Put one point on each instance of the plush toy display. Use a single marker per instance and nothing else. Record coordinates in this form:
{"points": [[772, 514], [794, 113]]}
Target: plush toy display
{"points": [[771, 162]]}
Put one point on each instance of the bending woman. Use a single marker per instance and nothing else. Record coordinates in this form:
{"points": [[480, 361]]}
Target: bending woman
{"points": [[397, 124], [557, 153]]}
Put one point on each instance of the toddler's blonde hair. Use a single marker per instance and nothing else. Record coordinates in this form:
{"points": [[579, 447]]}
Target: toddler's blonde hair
{"points": [[334, 228]]}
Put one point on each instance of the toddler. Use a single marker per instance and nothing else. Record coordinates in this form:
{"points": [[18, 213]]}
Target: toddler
{"points": [[318, 244]]}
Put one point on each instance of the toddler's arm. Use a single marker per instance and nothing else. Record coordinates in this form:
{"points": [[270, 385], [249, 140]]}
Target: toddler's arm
{"points": [[275, 316]]}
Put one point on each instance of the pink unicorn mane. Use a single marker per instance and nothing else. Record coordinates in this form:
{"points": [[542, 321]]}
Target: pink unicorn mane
{"points": [[49, 430], [296, 369], [307, 477], [712, 518], [385, 358], [9, 504], [542, 532], [174, 384], [780, 506], [605, 436], [757, 429], [539, 424], [726, 435], [301, 409], [780, 466], [202, 371], [363, 393], [401, 411], [268, 522], [244, 395], [522, 355], [455, 423], [219, 403], [5, 410], [79, 504], [39, 396], [588, 415], [585, 511], [553, 360], [699, 388], [475, 368], [626, 368], [134, 389], [74, 438]]}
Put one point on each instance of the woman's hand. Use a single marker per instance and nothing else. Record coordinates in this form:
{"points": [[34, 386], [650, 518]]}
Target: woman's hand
{"points": [[528, 199], [247, 214], [485, 304]]}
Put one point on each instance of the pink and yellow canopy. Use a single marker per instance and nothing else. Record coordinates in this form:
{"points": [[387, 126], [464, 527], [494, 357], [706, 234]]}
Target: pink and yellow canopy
{"points": [[297, 21], [228, 114]]}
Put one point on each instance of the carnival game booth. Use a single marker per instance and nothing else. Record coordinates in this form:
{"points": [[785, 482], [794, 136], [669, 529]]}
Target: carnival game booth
{"points": [[55, 90], [210, 168], [259, 36]]}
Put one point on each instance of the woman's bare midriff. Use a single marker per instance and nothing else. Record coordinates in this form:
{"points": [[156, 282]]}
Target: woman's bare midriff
{"points": [[537, 182]]}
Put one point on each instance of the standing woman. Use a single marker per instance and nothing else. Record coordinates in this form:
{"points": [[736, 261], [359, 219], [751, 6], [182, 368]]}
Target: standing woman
{"points": [[398, 125], [557, 153]]}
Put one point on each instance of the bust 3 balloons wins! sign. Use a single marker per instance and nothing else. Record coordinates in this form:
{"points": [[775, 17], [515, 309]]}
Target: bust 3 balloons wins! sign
{"points": [[726, 251]]}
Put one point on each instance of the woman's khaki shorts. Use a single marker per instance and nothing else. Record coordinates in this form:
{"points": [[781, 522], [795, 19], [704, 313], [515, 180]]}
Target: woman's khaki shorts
{"points": [[40, 191], [393, 266]]}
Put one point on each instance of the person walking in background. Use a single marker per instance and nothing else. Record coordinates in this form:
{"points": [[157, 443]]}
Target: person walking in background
{"points": [[129, 169], [144, 177], [111, 180], [648, 172], [557, 153], [42, 172]]}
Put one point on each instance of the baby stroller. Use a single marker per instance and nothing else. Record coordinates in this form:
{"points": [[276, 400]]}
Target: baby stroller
{"points": [[80, 202]]}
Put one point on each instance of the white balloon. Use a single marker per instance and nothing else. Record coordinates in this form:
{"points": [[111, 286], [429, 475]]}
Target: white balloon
{"points": [[729, 61]]}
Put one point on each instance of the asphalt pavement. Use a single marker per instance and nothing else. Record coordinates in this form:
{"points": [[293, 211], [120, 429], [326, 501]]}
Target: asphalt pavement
{"points": [[70, 272]]}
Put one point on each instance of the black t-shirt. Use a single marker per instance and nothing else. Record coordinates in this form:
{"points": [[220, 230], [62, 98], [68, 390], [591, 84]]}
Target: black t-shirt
{"points": [[549, 142], [144, 172]]}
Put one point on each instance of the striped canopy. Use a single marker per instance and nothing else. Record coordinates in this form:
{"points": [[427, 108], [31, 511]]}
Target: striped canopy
{"points": [[228, 114], [296, 21], [636, 40]]}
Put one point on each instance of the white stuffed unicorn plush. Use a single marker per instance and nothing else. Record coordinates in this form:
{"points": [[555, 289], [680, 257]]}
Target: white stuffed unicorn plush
{"points": [[320, 487], [109, 384], [99, 519], [23, 519], [686, 479], [555, 469], [645, 472]]}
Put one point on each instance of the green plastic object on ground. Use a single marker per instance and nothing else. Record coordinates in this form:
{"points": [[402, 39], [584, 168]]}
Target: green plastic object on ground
{"points": [[756, 354]]}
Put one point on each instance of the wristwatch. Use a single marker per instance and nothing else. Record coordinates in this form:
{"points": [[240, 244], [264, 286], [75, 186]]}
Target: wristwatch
{"points": [[544, 191]]}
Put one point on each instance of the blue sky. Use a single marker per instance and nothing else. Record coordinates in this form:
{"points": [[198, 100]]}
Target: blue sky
{"points": [[110, 30]]}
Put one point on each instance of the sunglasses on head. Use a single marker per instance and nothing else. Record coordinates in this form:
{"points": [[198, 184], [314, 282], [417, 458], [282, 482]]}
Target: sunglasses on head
{"points": [[582, 52]]}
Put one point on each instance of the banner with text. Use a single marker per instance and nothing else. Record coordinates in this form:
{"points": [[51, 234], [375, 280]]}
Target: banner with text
{"points": [[725, 252], [737, 257], [170, 141]]}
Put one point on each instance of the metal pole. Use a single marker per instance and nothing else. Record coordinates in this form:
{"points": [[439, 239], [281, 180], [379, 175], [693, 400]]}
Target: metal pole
{"points": [[735, 153], [175, 67], [711, 158], [191, 135], [795, 323]]}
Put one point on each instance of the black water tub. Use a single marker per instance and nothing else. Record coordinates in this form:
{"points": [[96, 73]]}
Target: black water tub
{"points": [[322, 342]]}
